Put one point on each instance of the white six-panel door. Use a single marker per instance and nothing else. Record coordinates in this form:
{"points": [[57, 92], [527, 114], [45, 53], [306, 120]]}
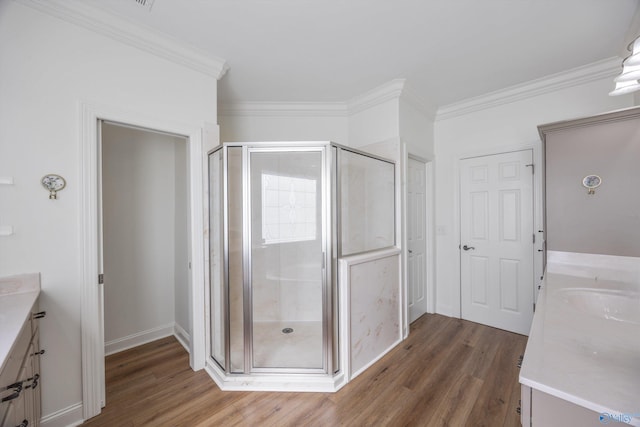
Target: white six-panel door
{"points": [[496, 240], [416, 239]]}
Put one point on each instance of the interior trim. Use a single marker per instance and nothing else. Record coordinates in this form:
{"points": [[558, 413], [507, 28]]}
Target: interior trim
{"points": [[114, 27]]}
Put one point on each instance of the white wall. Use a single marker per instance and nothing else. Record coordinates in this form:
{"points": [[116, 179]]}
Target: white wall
{"points": [[145, 235], [416, 130], [494, 130], [48, 68], [252, 128], [377, 123], [382, 114]]}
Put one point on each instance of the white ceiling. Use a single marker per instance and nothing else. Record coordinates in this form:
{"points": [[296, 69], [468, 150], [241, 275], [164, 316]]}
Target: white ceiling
{"points": [[333, 50]]}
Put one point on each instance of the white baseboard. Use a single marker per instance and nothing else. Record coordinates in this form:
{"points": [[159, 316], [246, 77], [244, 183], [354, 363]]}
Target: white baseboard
{"points": [[137, 339], [445, 310], [67, 417], [182, 336], [282, 382]]}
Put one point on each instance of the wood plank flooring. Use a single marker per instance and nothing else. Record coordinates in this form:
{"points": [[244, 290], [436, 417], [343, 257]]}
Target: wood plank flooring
{"points": [[449, 372]]}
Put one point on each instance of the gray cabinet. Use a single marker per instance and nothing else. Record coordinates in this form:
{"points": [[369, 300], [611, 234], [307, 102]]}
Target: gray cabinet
{"points": [[540, 409], [20, 378]]}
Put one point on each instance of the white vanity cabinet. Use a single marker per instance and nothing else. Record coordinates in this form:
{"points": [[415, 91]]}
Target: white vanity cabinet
{"points": [[19, 356]]}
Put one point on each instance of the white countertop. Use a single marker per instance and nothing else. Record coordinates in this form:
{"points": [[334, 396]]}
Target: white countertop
{"points": [[17, 296], [580, 354]]}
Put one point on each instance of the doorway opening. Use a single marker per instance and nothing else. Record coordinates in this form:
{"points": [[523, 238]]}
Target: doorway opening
{"points": [[145, 241], [196, 138]]}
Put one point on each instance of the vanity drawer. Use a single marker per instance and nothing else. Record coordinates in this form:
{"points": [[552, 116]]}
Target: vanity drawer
{"points": [[12, 370]]}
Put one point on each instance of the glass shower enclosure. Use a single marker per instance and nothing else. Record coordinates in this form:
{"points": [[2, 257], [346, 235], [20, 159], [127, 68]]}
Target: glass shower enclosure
{"points": [[280, 215]]}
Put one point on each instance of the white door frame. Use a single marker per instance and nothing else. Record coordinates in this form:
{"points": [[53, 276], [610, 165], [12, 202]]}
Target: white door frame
{"points": [[90, 301], [456, 292]]}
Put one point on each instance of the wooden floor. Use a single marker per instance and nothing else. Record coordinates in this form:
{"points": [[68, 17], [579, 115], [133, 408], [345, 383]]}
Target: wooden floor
{"points": [[449, 372]]}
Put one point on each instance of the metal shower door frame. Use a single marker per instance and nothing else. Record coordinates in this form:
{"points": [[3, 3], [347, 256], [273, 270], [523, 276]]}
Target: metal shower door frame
{"points": [[327, 290]]}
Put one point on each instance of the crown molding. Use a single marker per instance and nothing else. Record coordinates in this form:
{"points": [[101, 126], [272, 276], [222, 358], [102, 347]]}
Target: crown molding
{"points": [[143, 38], [609, 117], [376, 96], [284, 109], [395, 89], [412, 99], [598, 70]]}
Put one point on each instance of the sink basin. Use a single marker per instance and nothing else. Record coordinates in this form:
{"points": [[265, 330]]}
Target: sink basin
{"points": [[614, 305]]}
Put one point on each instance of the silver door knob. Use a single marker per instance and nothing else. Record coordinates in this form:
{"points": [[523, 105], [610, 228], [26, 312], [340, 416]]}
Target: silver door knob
{"points": [[468, 248]]}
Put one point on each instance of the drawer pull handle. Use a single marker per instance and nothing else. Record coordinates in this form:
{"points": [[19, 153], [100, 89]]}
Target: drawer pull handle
{"points": [[17, 385], [34, 381], [39, 315], [14, 395], [24, 423], [38, 353]]}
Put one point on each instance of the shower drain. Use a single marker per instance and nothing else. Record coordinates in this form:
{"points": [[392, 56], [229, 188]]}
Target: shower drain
{"points": [[287, 330]]}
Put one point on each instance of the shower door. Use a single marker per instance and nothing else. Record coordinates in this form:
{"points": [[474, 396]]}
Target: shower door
{"points": [[285, 292]]}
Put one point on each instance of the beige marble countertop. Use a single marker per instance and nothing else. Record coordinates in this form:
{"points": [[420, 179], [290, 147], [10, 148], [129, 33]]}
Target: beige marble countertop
{"points": [[17, 295]]}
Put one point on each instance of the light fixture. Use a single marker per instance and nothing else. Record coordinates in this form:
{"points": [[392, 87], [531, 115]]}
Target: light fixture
{"points": [[591, 182], [628, 80], [53, 183], [625, 87]]}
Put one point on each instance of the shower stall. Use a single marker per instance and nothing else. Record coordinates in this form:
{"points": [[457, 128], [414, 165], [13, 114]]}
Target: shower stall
{"points": [[281, 215]]}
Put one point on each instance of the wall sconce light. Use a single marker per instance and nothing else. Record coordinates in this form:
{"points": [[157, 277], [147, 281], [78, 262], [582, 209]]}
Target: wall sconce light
{"points": [[628, 80], [591, 182], [53, 183]]}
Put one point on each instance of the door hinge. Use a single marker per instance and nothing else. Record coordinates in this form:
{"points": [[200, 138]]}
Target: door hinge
{"points": [[534, 307], [100, 279], [534, 238], [532, 167]]}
